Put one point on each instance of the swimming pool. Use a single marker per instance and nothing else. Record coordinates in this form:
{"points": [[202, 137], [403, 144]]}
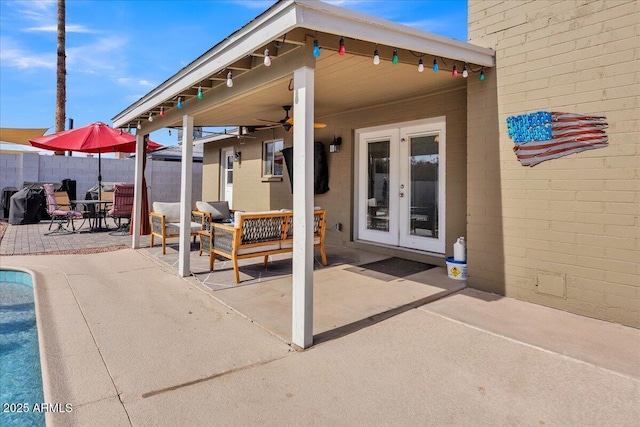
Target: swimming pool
{"points": [[20, 374]]}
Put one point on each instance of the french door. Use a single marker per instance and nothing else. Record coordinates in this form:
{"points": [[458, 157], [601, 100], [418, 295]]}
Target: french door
{"points": [[227, 156], [401, 185]]}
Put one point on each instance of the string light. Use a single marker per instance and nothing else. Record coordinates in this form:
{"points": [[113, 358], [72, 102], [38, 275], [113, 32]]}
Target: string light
{"points": [[465, 73], [161, 111], [267, 58], [482, 74], [341, 49], [150, 116], [129, 128], [420, 65], [179, 105], [394, 58], [139, 125], [376, 57], [200, 94], [435, 65], [230, 79], [454, 73], [316, 48]]}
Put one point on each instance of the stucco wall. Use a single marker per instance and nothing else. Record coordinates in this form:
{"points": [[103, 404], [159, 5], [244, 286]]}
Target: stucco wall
{"points": [[163, 178], [252, 194], [564, 233]]}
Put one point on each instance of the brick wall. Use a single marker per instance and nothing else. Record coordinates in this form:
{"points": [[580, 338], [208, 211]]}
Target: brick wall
{"points": [[565, 233], [163, 178]]}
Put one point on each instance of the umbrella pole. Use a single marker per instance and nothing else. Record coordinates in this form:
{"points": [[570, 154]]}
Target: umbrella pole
{"points": [[99, 174]]}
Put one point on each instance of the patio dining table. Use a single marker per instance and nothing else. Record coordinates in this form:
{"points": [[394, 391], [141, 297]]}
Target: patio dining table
{"points": [[97, 214]]}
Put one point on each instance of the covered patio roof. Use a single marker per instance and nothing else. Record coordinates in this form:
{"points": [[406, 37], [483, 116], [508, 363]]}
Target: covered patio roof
{"points": [[343, 83], [233, 85]]}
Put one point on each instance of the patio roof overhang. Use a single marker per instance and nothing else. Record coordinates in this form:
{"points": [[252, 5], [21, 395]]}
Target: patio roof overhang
{"points": [[318, 88], [287, 29]]}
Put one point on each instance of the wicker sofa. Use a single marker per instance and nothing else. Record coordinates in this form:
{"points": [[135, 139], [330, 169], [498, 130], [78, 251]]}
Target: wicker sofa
{"points": [[165, 222], [257, 234]]}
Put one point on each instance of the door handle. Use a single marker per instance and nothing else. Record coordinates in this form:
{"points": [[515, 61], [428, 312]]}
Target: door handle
{"points": [[401, 194]]}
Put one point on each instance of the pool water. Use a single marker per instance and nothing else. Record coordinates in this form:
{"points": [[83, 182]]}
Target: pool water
{"points": [[20, 374]]}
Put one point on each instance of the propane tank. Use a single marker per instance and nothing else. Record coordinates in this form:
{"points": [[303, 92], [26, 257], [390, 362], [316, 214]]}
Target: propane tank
{"points": [[460, 250]]}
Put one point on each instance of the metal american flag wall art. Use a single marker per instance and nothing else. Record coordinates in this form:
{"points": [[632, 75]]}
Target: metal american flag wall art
{"points": [[545, 135]]}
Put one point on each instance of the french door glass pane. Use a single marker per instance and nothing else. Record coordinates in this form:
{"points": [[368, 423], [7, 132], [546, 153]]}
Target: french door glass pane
{"points": [[424, 163], [378, 185], [229, 170]]}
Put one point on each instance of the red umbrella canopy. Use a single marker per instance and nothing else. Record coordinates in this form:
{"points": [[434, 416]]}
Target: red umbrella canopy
{"points": [[94, 138]]}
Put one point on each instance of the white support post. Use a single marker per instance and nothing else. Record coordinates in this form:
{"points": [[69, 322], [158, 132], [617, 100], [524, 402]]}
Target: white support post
{"points": [[185, 196], [137, 193], [303, 116]]}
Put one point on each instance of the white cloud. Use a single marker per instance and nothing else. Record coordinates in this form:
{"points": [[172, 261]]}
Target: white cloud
{"points": [[13, 56], [134, 83], [36, 10], [255, 4], [100, 55], [54, 29], [431, 25]]}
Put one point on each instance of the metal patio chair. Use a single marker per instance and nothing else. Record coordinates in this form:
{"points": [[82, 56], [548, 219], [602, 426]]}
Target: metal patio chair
{"points": [[122, 207], [60, 210]]}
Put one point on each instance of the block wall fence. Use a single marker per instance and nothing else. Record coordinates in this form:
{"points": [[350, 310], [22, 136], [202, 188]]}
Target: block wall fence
{"points": [[564, 233], [163, 178]]}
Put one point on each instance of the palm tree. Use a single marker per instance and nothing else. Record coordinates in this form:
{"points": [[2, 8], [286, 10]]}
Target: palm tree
{"points": [[61, 73]]}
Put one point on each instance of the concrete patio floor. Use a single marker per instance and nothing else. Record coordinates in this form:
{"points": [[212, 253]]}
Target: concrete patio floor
{"points": [[128, 342]]}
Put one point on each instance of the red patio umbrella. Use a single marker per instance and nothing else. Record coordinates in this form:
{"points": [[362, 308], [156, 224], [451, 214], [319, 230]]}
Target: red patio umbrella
{"points": [[94, 138]]}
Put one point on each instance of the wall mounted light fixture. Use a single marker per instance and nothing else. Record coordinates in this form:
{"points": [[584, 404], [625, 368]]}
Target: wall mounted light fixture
{"points": [[334, 147]]}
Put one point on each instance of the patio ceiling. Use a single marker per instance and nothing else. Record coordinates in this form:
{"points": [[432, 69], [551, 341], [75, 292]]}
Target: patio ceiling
{"points": [[343, 83]]}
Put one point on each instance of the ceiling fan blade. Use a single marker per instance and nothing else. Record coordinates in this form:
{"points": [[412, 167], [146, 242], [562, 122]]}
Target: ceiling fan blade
{"points": [[271, 122], [315, 125]]}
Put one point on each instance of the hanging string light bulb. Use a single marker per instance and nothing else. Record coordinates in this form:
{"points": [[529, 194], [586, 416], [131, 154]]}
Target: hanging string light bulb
{"points": [[454, 73], [482, 74], [139, 125], [316, 48], [179, 104], [376, 57], [465, 73], [420, 65], [341, 49], [267, 58], [150, 116], [161, 111], [129, 128], [230, 79], [394, 58], [200, 94], [435, 65]]}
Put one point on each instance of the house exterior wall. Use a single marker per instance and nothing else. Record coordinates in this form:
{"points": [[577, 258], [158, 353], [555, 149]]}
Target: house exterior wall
{"points": [[250, 193], [564, 233]]}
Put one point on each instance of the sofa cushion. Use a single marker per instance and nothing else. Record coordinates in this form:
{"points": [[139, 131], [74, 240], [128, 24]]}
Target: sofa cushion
{"points": [[218, 210], [170, 210], [238, 214], [173, 228]]}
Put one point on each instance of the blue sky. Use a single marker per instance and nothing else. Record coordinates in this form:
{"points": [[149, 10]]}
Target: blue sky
{"points": [[117, 51]]}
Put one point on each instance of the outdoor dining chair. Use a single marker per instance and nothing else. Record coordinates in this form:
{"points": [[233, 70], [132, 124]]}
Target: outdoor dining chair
{"points": [[122, 206], [60, 210]]}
